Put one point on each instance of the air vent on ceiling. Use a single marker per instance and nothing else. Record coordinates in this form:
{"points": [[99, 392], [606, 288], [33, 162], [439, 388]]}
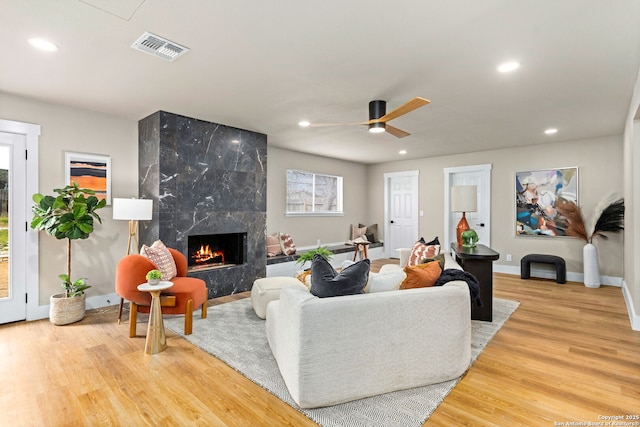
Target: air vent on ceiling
{"points": [[158, 46]]}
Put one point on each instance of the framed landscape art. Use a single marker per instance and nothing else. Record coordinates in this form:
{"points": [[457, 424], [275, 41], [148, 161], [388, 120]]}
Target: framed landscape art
{"points": [[89, 171], [538, 193]]}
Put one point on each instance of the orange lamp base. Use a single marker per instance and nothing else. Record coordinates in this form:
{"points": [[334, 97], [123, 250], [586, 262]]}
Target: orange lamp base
{"points": [[462, 226]]}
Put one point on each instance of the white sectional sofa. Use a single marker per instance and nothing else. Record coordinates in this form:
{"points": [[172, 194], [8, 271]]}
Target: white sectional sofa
{"points": [[334, 350]]}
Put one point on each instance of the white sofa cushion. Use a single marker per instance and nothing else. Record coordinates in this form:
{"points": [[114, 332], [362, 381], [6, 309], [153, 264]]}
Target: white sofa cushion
{"points": [[388, 279]]}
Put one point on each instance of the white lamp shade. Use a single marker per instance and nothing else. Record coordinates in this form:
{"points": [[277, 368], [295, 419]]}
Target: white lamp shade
{"points": [[464, 198], [132, 209]]}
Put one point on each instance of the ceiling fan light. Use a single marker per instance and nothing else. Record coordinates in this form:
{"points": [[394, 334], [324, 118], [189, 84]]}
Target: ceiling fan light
{"points": [[377, 127]]}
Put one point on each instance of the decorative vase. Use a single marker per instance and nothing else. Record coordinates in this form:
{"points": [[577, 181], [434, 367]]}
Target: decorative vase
{"points": [[153, 281], [590, 265], [63, 310]]}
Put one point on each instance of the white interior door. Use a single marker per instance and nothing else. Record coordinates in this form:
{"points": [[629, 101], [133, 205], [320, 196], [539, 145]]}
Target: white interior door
{"points": [[480, 221], [13, 236], [401, 211]]}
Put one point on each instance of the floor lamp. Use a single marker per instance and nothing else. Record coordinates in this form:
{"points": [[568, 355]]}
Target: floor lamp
{"points": [[132, 210], [464, 198]]}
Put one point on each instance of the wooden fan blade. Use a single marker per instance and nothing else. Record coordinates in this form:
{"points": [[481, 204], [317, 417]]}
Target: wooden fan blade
{"points": [[398, 133], [405, 108]]}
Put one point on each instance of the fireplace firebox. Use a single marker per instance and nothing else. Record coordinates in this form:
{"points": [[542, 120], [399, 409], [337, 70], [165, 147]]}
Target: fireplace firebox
{"points": [[208, 251]]}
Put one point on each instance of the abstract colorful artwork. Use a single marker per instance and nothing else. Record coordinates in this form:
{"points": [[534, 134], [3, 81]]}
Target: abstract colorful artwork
{"points": [[537, 195], [90, 171]]}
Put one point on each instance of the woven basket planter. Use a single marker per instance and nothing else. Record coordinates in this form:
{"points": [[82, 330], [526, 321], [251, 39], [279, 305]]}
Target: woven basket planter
{"points": [[63, 311]]}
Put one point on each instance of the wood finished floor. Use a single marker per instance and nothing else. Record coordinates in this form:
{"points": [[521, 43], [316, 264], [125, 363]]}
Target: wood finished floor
{"points": [[566, 354]]}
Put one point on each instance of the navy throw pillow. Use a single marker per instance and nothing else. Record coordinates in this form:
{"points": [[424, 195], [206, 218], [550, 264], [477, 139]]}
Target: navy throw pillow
{"points": [[431, 243], [327, 282]]}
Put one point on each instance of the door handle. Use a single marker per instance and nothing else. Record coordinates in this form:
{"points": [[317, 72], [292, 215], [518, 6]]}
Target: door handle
{"points": [[481, 224], [392, 222]]}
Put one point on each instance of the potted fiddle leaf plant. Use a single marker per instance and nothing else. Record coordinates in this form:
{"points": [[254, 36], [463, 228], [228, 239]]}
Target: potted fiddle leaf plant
{"points": [[68, 214]]}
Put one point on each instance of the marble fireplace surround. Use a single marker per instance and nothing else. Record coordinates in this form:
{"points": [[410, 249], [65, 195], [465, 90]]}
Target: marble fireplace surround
{"points": [[205, 178]]}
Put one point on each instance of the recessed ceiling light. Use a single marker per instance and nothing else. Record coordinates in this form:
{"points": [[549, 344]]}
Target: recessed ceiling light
{"points": [[402, 152], [304, 124], [43, 44], [508, 66], [235, 141], [551, 131]]}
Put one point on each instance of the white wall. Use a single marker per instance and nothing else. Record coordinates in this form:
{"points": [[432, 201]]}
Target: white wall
{"points": [[632, 216], [306, 231], [599, 162], [70, 129]]}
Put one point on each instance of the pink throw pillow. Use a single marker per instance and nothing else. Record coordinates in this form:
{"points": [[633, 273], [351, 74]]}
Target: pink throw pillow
{"points": [[162, 258]]}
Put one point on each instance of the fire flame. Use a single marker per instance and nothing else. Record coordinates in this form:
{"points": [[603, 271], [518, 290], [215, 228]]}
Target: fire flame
{"points": [[206, 255]]}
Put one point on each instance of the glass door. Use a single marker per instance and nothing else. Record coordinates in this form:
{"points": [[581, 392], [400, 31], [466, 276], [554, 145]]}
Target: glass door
{"points": [[13, 224]]}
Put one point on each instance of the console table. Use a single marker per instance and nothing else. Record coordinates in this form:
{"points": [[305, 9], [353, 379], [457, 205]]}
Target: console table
{"points": [[479, 262]]}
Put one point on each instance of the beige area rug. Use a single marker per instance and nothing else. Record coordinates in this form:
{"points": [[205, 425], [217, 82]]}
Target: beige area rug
{"points": [[233, 333]]}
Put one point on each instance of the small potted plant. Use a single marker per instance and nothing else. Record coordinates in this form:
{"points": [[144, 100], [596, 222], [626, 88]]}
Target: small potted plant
{"points": [[153, 277], [308, 256]]}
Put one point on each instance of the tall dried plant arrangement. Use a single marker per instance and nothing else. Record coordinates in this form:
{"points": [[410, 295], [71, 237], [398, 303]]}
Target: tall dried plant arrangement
{"points": [[608, 217]]}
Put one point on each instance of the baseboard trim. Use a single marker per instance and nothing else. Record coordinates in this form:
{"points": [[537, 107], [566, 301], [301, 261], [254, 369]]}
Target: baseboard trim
{"points": [[98, 301], [550, 274], [634, 317]]}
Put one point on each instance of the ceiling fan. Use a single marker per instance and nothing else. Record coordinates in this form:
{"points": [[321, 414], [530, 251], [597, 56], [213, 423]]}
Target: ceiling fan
{"points": [[378, 117]]}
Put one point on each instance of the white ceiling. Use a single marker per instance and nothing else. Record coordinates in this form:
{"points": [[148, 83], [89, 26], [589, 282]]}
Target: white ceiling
{"points": [[265, 65]]}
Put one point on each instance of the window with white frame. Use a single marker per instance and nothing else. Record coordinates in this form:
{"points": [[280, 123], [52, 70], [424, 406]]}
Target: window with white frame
{"points": [[311, 193]]}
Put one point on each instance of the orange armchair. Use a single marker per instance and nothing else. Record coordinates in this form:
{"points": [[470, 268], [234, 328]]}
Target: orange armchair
{"points": [[185, 294]]}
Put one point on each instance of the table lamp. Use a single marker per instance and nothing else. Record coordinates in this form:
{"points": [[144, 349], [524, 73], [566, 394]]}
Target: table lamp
{"points": [[464, 198], [133, 210]]}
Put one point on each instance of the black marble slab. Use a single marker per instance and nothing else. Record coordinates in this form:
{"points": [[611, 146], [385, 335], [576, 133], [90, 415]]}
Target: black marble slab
{"points": [[205, 178]]}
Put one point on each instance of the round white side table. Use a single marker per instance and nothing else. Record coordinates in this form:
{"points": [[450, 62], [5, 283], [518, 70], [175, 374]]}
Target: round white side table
{"points": [[156, 340]]}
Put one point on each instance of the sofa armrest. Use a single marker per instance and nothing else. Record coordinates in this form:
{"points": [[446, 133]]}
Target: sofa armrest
{"points": [[284, 333], [404, 256], [131, 271], [450, 262]]}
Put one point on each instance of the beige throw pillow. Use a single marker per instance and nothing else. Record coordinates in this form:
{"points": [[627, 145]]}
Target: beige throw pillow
{"points": [[358, 232], [161, 257], [273, 245], [287, 245]]}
